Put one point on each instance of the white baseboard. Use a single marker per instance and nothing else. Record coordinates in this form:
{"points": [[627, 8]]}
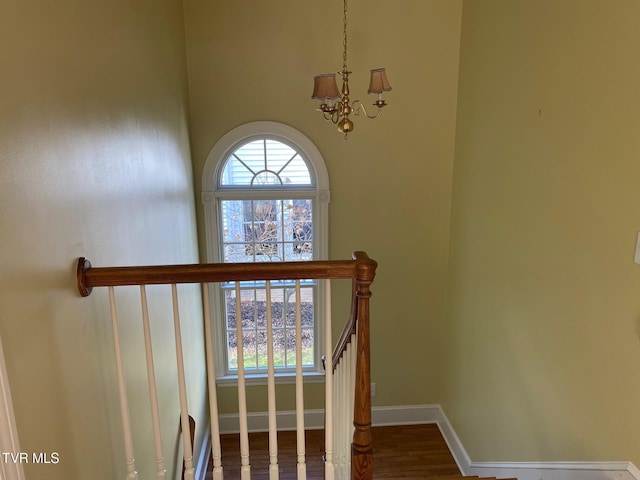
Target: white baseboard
{"points": [[533, 470], [420, 414], [405, 415], [259, 421], [557, 470]]}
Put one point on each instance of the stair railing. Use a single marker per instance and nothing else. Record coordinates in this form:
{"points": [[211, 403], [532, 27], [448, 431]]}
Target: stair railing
{"points": [[348, 395], [352, 386]]}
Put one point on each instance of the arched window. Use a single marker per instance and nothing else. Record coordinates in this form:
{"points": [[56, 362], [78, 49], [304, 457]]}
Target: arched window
{"points": [[265, 191]]}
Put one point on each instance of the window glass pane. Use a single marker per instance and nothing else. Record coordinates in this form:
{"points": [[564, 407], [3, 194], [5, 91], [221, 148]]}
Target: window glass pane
{"points": [[264, 178], [279, 155], [307, 349], [232, 351], [265, 163], [307, 346], [300, 234], [250, 350], [253, 302], [267, 230]]}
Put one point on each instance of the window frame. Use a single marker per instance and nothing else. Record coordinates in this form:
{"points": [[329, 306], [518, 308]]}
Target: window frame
{"points": [[213, 192]]}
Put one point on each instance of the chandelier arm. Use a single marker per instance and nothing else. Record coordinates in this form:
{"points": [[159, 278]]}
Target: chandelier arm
{"points": [[332, 117], [357, 104], [335, 116]]}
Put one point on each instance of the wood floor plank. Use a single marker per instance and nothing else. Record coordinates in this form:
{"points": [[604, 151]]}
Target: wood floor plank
{"points": [[407, 452], [412, 451]]}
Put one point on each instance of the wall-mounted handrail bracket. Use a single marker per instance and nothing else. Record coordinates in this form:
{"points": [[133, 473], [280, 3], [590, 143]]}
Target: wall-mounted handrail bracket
{"points": [[83, 266]]}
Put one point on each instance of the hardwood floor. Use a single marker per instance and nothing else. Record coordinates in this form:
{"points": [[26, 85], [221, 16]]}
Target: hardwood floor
{"points": [[412, 451], [403, 452]]}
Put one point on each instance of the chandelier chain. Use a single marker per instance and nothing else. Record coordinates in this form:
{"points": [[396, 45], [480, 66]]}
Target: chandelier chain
{"points": [[344, 39]]}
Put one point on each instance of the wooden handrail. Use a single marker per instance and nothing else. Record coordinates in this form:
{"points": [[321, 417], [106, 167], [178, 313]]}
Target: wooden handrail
{"points": [[348, 331], [361, 267]]}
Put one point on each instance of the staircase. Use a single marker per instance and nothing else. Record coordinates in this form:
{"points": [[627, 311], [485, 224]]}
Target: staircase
{"points": [[347, 378], [348, 448]]}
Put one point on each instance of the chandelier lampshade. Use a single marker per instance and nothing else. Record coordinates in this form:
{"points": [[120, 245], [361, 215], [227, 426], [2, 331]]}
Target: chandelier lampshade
{"points": [[325, 87], [379, 82]]}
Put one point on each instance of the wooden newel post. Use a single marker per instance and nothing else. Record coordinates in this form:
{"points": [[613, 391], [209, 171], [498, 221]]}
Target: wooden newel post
{"points": [[362, 446]]}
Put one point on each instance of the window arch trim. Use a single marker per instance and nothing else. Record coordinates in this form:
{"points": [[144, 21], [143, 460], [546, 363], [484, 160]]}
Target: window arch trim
{"points": [[218, 155]]}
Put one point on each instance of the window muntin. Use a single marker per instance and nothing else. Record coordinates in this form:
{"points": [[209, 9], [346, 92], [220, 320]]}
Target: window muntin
{"points": [[265, 163], [283, 317], [267, 230], [259, 229], [281, 169]]}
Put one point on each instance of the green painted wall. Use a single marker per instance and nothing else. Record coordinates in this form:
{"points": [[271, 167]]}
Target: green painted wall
{"points": [[94, 161], [544, 296], [390, 181], [527, 335]]}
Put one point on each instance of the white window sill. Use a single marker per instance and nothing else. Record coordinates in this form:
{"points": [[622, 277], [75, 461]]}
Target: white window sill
{"points": [[261, 379]]}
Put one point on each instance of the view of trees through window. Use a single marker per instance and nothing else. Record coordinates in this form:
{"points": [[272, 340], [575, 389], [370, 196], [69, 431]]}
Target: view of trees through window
{"points": [[283, 317], [271, 230], [267, 230]]}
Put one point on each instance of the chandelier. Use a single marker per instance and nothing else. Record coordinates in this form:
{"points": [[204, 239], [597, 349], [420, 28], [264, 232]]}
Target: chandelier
{"points": [[335, 105]]}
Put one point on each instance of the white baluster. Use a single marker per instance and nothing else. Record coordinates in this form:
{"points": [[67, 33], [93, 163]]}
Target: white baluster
{"points": [[348, 413], [352, 386], [216, 449], [329, 468], [245, 469], [124, 405], [352, 391], [336, 418], [182, 388], [302, 467], [271, 393], [153, 391], [339, 417]]}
